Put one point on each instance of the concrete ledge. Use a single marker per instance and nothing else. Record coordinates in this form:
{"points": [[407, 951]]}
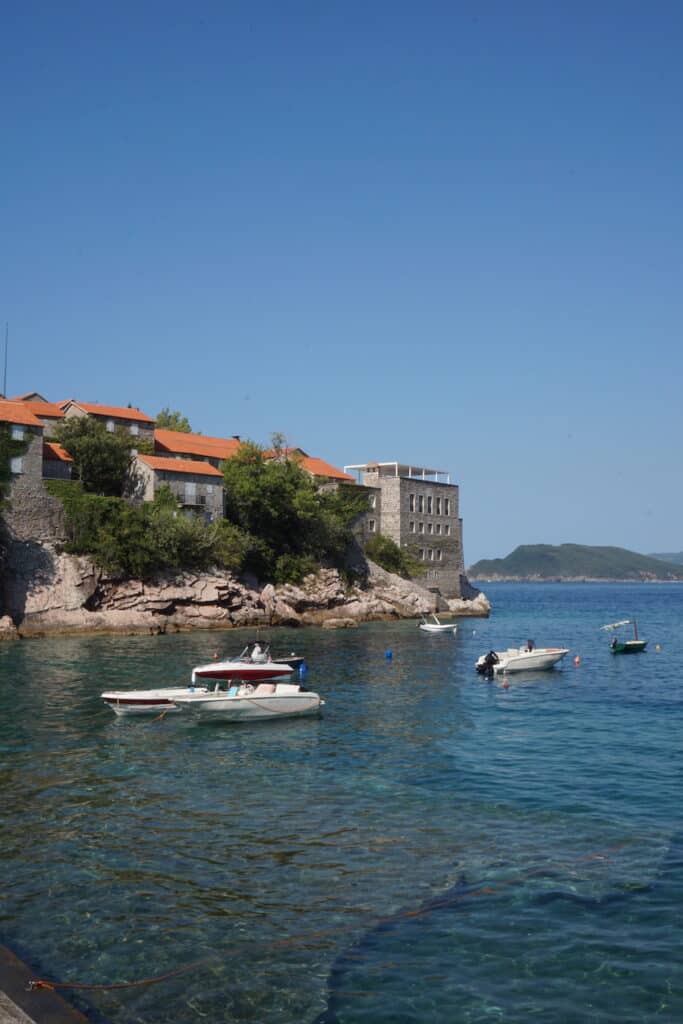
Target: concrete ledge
{"points": [[19, 1006]]}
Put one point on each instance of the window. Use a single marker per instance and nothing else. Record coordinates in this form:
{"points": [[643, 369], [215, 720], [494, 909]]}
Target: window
{"points": [[373, 501], [420, 503], [429, 504], [17, 432], [438, 506], [446, 506], [438, 554], [421, 554], [430, 554], [202, 499], [209, 488], [429, 527], [437, 528], [190, 493], [371, 525], [420, 527], [16, 465], [110, 426], [411, 526], [133, 451], [411, 502], [134, 429], [446, 528]]}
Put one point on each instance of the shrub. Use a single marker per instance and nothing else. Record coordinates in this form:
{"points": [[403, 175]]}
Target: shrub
{"points": [[391, 557]]}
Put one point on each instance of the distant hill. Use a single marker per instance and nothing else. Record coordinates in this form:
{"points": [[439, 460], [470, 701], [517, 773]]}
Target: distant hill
{"points": [[673, 559], [575, 562]]}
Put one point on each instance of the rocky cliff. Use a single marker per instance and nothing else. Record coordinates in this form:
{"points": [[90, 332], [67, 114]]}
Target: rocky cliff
{"points": [[45, 592]]}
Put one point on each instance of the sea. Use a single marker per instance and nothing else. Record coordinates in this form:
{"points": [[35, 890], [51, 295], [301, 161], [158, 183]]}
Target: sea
{"points": [[435, 847]]}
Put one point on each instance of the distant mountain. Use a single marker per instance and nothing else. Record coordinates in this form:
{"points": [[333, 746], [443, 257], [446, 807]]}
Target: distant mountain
{"points": [[673, 559], [575, 562]]}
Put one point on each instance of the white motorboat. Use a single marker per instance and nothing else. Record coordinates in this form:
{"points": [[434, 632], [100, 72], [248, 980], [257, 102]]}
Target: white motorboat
{"points": [[247, 703], [437, 626], [148, 702], [520, 659]]}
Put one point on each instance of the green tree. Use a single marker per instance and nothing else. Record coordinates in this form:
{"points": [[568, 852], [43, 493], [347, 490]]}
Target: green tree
{"points": [[391, 557], [101, 457], [167, 420], [297, 525]]}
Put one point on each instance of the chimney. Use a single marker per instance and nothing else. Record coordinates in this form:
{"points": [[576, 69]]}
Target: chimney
{"points": [[236, 437]]}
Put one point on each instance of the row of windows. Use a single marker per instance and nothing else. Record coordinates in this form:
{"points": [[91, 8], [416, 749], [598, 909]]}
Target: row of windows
{"points": [[133, 427], [432, 506], [432, 554], [431, 528]]}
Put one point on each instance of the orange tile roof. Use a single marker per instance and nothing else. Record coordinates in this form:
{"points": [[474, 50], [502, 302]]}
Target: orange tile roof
{"points": [[316, 467], [195, 444], [52, 450], [16, 412], [180, 465], [116, 411], [47, 409]]}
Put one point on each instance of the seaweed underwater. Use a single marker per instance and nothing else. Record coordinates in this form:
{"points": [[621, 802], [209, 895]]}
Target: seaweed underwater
{"points": [[363, 970]]}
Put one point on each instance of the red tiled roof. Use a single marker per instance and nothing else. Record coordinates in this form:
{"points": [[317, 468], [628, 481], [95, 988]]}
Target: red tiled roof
{"points": [[115, 411], [16, 412], [316, 467], [180, 465], [52, 450], [40, 408], [195, 444]]}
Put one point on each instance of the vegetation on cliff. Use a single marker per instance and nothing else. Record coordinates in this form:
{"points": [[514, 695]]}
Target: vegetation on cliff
{"points": [[574, 561], [279, 525], [10, 448], [388, 555]]}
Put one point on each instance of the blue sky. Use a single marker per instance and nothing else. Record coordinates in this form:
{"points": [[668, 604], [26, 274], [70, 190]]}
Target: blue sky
{"points": [[441, 233]]}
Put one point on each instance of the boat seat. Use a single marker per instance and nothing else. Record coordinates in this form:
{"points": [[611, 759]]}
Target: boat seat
{"points": [[264, 690], [233, 691]]}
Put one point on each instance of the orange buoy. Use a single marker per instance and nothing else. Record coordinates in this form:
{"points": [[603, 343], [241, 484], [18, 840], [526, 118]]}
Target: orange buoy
{"points": [[577, 660], [506, 685]]}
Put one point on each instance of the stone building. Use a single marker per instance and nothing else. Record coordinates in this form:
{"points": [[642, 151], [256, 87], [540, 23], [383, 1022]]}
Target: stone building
{"points": [[197, 486], [418, 509], [24, 426], [137, 423], [57, 463], [49, 413]]}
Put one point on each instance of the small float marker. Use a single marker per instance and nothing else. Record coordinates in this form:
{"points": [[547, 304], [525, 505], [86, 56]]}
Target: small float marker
{"points": [[388, 655], [577, 660]]}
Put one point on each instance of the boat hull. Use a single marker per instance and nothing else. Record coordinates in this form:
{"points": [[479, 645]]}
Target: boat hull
{"points": [[253, 671], [225, 708], [629, 647], [148, 702], [447, 628]]}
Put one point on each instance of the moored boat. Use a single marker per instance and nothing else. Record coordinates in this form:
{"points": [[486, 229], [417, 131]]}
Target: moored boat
{"points": [[247, 703], [520, 659], [147, 702], [254, 671], [437, 626], [617, 646]]}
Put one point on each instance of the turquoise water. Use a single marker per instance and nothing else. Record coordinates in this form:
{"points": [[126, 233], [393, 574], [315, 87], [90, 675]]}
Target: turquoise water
{"points": [[433, 848]]}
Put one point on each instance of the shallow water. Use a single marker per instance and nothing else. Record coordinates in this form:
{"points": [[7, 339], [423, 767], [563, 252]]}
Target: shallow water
{"points": [[433, 848]]}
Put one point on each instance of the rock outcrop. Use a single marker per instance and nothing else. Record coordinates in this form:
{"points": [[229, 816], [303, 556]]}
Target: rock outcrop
{"points": [[47, 592]]}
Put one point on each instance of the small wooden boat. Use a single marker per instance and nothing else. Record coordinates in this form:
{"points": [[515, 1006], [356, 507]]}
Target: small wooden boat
{"points": [[437, 627], [617, 646]]}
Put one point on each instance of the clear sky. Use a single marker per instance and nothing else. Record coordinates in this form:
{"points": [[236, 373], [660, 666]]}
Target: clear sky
{"points": [[440, 233]]}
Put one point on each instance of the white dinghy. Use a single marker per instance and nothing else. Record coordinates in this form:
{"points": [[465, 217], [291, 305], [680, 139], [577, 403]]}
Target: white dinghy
{"points": [[437, 626]]}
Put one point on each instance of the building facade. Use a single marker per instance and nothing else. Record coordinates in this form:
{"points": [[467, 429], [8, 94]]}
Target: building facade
{"points": [[196, 486], [137, 423], [418, 508]]}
